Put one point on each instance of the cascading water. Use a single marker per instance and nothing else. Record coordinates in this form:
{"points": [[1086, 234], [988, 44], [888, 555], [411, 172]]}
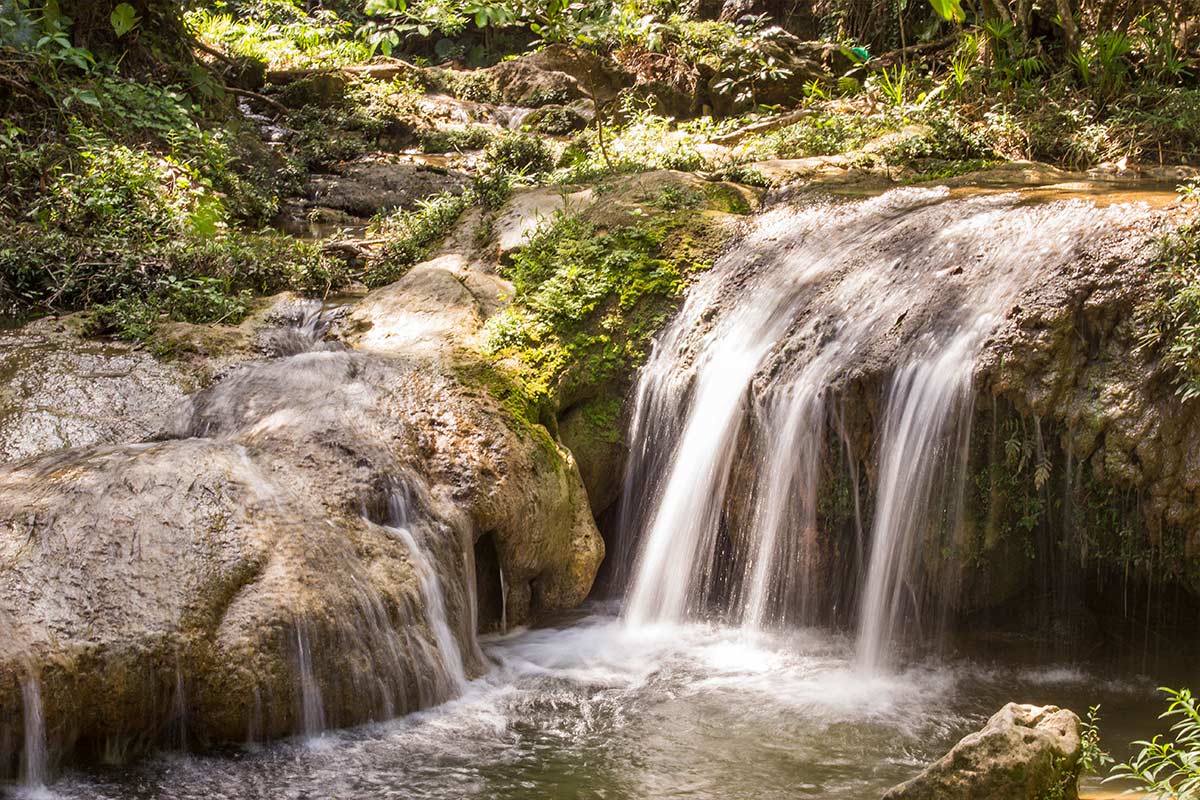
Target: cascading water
{"points": [[735, 410], [35, 770], [312, 706], [451, 674]]}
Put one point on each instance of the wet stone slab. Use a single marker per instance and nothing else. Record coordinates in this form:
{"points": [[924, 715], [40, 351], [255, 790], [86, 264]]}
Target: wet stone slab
{"points": [[57, 390]]}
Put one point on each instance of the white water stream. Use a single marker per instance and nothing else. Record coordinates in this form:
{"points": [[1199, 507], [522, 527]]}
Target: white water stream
{"points": [[742, 389]]}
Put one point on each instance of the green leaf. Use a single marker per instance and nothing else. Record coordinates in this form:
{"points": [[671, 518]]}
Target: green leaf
{"points": [[385, 6], [85, 96], [949, 10], [124, 19]]}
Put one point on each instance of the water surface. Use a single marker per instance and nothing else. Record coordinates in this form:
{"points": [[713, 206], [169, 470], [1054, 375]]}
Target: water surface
{"points": [[598, 709]]}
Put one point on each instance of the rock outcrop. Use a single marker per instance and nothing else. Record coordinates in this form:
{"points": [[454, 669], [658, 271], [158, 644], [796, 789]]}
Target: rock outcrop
{"points": [[1023, 753], [261, 561]]}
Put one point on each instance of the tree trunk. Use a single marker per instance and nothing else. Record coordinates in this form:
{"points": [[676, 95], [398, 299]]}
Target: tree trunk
{"points": [[1069, 26]]}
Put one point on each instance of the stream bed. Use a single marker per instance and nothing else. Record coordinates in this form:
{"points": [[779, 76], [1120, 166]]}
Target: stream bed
{"points": [[597, 709]]}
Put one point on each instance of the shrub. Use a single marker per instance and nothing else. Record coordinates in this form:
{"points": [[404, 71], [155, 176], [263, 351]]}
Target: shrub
{"points": [[520, 153], [408, 235], [1170, 321], [556, 120], [455, 139], [1169, 768]]}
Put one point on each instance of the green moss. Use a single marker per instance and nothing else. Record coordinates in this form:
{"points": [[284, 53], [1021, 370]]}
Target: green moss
{"points": [[588, 299], [603, 416], [727, 198]]}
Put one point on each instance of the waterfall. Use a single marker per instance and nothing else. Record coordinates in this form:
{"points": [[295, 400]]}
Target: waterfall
{"points": [[451, 670], [734, 417], [312, 706], [36, 770], [925, 439]]}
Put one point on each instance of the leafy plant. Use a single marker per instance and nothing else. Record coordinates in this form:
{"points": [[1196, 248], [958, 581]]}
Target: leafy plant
{"points": [[1169, 768], [1171, 320], [1092, 757], [124, 18], [521, 153], [751, 61], [893, 83]]}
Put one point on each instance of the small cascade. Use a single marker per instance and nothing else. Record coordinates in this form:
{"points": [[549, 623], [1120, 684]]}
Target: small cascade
{"points": [[179, 712], [35, 768], [312, 706], [738, 431], [924, 452], [452, 674]]}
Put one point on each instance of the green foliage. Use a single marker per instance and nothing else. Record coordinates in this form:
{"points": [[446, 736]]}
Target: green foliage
{"points": [[354, 123], [124, 225], [520, 153], [279, 33], [819, 134], [949, 10], [455, 139], [556, 120], [751, 59], [408, 235], [1170, 321], [205, 299], [1169, 768], [646, 141], [586, 300], [475, 86], [1092, 757]]}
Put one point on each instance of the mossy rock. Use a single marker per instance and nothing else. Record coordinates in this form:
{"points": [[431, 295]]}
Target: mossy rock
{"points": [[556, 120], [323, 89]]}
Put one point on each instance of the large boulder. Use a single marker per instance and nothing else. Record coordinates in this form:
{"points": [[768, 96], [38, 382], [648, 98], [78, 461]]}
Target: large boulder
{"points": [[557, 74], [366, 188], [59, 390], [266, 567], [1023, 753]]}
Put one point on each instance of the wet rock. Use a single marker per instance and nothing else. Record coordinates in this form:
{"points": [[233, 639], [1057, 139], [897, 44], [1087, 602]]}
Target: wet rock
{"points": [[252, 583], [59, 390], [1023, 753], [366, 188], [432, 311]]}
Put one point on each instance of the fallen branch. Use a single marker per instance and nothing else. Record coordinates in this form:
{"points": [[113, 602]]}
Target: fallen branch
{"points": [[889, 59], [763, 126], [383, 72], [262, 98], [352, 249]]}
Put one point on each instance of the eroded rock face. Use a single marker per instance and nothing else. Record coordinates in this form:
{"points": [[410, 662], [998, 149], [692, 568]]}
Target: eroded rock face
{"points": [[57, 390], [246, 576], [1023, 753]]}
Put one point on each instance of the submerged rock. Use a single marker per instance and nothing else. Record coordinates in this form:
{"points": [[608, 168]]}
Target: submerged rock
{"points": [[1023, 753]]}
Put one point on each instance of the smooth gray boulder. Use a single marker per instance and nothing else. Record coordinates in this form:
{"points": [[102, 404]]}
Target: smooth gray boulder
{"points": [[1023, 753]]}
